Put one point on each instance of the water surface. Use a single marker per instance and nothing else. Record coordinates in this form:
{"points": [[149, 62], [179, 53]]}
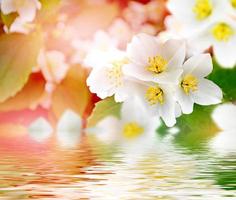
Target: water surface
{"points": [[88, 169]]}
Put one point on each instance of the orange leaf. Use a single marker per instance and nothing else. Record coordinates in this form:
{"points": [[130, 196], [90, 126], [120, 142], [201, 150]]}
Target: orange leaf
{"points": [[72, 93], [27, 97]]}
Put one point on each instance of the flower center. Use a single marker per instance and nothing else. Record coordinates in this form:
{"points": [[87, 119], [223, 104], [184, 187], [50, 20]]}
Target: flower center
{"points": [[155, 95], [202, 9], [115, 73], [189, 83], [132, 130], [233, 3], [157, 64], [222, 32]]}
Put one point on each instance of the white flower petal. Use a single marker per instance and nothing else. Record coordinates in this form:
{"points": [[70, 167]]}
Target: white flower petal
{"points": [[137, 71], [54, 68], [208, 93], [224, 142], [167, 110], [97, 58], [99, 83], [69, 122], [199, 65], [141, 47], [225, 53], [184, 100], [167, 113], [131, 110], [168, 77], [20, 26], [178, 111], [224, 116], [69, 129], [68, 139], [94, 59], [40, 130], [174, 51], [203, 40], [7, 6], [28, 11], [182, 9], [123, 92], [108, 130]]}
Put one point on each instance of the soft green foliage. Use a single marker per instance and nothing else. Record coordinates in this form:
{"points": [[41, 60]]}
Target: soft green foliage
{"points": [[8, 19], [195, 128], [103, 109], [226, 80], [223, 177], [198, 127], [48, 10], [49, 4], [18, 55]]}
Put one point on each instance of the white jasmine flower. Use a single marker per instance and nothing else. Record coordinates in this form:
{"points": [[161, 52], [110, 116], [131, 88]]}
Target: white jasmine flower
{"points": [[102, 41], [174, 30], [53, 67], [40, 130], [69, 121], [207, 23], [121, 31], [221, 36], [81, 49], [107, 78], [155, 62], [224, 116], [158, 99], [131, 127], [193, 87], [69, 129], [26, 9], [19, 26], [197, 14], [86, 50]]}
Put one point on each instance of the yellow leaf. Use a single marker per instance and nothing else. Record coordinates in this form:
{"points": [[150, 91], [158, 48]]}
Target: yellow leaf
{"points": [[72, 93], [27, 97]]}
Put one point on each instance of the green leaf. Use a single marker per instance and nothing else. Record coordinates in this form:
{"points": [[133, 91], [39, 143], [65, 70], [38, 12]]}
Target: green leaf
{"points": [[18, 55], [226, 79], [8, 19], [197, 127], [48, 10], [49, 4], [103, 109]]}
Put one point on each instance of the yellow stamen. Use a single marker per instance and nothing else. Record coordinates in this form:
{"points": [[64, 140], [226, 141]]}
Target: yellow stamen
{"points": [[233, 3], [155, 95], [115, 72], [222, 32], [132, 130], [157, 64], [202, 9], [189, 83]]}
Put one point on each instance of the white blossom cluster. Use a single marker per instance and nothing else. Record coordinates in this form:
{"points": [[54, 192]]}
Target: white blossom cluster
{"points": [[205, 24], [26, 11], [159, 74]]}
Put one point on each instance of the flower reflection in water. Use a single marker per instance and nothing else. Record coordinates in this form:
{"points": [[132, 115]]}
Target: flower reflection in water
{"points": [[94, 170]]}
